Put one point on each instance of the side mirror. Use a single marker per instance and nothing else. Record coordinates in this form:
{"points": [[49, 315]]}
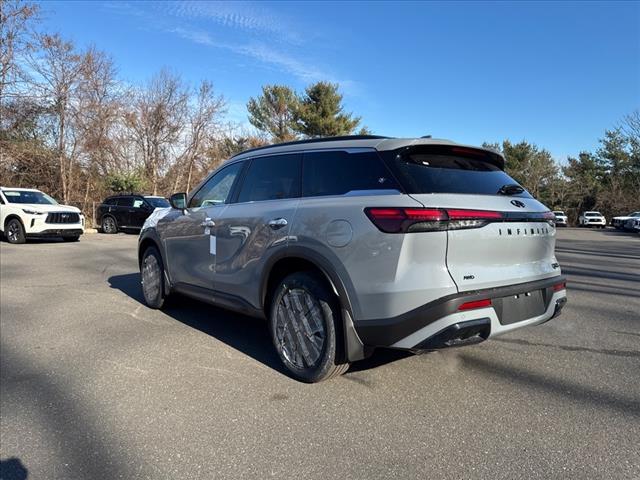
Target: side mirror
{"points": [[178, 201]]}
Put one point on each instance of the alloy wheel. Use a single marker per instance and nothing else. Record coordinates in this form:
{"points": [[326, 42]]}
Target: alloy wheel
{"points": [[151, 278], [13, 231], [299, 328], [108, 225]]}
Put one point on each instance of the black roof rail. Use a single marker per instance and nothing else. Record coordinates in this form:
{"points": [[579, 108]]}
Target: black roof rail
{"points": [[315, 140]]}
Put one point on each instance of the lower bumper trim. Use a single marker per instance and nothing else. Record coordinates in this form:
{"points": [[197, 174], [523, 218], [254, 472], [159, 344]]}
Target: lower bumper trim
{"points": [[458, 335], [57, 232], [388, 331]]}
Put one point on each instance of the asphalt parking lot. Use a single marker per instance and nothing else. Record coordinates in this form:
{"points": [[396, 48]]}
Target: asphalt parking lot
{"points": [[96, 386]]}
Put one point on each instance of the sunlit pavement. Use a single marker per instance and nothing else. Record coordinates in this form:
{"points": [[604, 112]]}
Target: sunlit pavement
{"points": [[96, 386]]}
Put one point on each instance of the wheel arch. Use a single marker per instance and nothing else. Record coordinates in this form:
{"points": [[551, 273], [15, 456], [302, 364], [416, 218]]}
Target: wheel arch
{"points": [[151, 239], [10, 217], [108, 214], [301, 259]]}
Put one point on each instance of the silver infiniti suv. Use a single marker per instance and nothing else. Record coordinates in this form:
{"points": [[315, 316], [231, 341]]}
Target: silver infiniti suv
{"points": [[346, 244]]}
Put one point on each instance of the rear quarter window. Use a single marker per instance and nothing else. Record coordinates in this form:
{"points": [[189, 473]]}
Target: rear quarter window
{"points": [[125, 202], [273, 177], [341, 172], [446, 169]]}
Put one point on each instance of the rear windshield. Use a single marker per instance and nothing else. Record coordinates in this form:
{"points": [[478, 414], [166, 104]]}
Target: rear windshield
{"points": [[445, 169], [158, 202]]}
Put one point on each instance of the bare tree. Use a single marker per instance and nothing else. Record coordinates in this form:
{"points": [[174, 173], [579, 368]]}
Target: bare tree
{"points": [[15, 42], [57, 68], [203, 119], [97, 118], [156, 121]]}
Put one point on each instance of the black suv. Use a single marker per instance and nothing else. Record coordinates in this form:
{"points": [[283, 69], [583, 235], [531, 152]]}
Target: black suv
{"points": [[121, 212]]}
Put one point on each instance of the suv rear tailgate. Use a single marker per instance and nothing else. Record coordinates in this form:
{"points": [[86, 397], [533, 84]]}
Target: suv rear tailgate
{"points": [[513, 242], [518, 249]]}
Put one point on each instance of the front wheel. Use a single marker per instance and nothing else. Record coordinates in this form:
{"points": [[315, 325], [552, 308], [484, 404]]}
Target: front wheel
{"points": [[152, 273], [305, 327], [109, 225], [15, 231]]}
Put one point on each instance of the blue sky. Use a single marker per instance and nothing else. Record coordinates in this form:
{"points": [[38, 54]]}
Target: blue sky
{"points": [[557, 74]]}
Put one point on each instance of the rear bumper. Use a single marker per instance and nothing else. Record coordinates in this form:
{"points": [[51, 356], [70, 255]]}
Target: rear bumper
{"points": [[440, 324]]}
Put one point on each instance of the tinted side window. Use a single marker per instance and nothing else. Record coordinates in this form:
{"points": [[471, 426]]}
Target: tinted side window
{"points": [[1, 201], [110, 201], [125, 202], [271, 178], [337, 173], [217, 189]]}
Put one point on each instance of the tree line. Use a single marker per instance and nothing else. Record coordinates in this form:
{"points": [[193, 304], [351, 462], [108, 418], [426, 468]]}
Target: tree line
{"points": [[71, 127]]}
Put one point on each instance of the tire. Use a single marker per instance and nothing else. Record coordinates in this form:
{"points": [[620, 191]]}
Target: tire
{"points": [[109, 224], [152, 278], [306, 328], [71, 238], [14, 231]]}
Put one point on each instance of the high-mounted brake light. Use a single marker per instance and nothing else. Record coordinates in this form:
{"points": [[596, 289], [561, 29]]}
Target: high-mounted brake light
{"points": [[475, 304], [469, 151]]}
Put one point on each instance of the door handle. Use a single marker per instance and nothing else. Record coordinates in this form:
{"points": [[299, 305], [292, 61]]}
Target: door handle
{"points": [[278, 223], [208, 223]]}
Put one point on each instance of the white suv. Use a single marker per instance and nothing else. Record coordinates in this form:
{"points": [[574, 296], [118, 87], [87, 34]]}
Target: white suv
{"points": [[27, 212], [592, 219]]}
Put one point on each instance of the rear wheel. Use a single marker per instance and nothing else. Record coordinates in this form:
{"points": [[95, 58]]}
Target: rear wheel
{"points": [[305, 327], [15, 231], [152, 273], [109, 224]]}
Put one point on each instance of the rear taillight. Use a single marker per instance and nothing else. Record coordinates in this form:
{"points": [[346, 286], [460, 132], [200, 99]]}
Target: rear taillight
{"points": [[475, 304], [560, 286], [407, 220], [550, 218]]}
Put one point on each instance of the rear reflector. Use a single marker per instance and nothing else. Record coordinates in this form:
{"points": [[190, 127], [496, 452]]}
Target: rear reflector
{"points": [[475, 304], [560, 286]]}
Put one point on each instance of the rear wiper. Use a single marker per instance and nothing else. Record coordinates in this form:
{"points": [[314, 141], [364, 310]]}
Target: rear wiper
{"points": [[510, 189]]}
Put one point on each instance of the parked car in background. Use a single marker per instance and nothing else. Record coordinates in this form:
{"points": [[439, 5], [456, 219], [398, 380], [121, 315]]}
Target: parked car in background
{"points": [[352, 243], [27, 212], [122, 212], [561, 218], [592, 219], [621, 221], [635, 225]]}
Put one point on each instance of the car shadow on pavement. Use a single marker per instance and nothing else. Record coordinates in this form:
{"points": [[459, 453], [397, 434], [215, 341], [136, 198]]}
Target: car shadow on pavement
{"points": [[246, 334], [13, 469]]}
